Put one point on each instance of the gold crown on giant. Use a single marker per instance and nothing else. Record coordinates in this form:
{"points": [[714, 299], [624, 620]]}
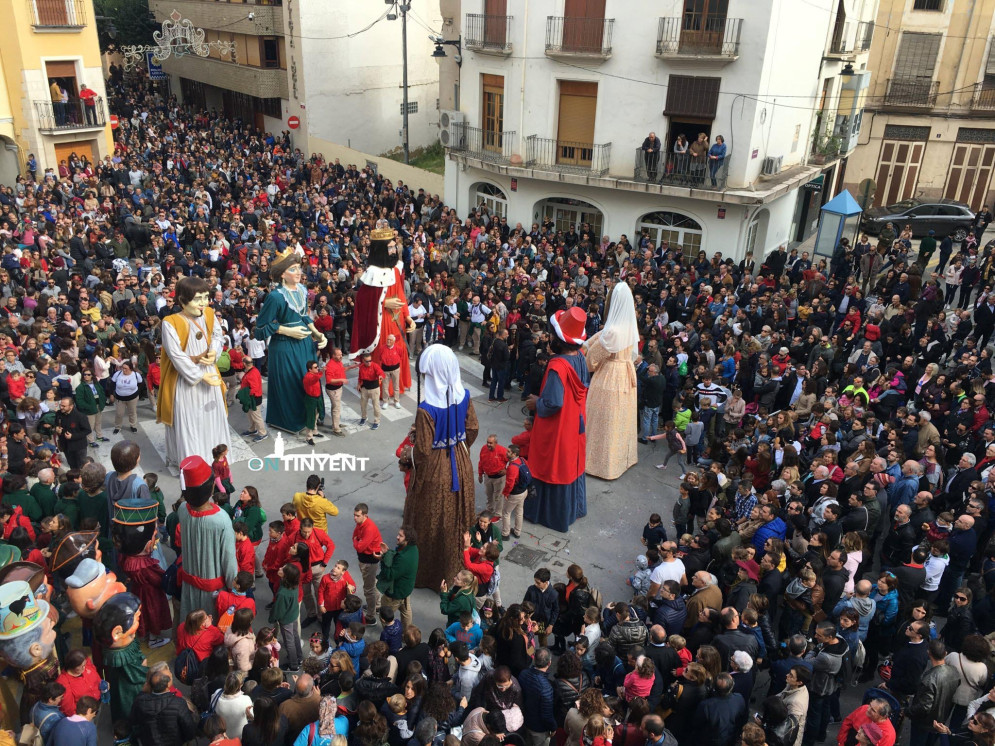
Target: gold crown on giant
{"points": [[382, 234]]}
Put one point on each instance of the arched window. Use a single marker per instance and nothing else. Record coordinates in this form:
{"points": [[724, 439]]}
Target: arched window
{"points": [[491, 197], [677, 229], [568, 214]]}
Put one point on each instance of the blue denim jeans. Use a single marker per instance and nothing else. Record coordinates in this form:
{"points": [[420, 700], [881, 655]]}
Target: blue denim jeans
{"points": [[649, 421], [497, 384]]}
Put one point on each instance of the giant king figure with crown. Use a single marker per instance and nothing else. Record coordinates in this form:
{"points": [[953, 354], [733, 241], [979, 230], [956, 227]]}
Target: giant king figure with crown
{"points": [[381, 305]]}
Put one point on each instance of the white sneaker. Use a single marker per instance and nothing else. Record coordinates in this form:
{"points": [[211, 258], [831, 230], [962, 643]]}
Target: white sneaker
{"points": [[158, 642]]}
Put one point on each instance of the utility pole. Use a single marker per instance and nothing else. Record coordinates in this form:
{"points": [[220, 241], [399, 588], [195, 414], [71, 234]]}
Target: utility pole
{"points": [[404, 7]]}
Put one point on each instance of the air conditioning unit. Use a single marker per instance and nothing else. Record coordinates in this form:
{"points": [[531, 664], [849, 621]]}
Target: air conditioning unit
{"points": [[452, 132], [772, 165]]}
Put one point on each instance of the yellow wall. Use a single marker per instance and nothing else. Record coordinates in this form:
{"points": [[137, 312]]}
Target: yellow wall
{"points": [[22, 54]]}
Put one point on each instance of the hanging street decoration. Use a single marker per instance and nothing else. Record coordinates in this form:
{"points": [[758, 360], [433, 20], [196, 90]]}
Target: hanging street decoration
{"points": [[177, 38]]}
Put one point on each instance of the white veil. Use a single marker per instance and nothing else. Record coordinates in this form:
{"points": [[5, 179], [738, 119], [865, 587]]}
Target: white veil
{"points": [[443, 384], [621, 329]]}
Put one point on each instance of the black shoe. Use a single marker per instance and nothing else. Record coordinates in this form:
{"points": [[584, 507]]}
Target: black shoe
{"points": [[133, 429], [269, 605], [502, 400], [644, 441], [486, 383], [309, 621], [309, 441], [247, 433]]}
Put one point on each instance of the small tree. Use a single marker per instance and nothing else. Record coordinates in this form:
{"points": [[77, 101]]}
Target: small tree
{"points": [[123, 22]]}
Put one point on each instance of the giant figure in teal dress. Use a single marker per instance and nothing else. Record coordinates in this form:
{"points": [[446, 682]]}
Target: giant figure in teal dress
{"points": [[284, 321]]}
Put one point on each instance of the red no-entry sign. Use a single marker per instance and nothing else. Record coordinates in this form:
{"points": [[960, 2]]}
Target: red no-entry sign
{"points": [[114, 122], [294, 122]]}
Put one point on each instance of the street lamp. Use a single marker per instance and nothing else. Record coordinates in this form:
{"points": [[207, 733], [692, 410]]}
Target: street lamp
{"points": [[404, 6], [440, 53]]}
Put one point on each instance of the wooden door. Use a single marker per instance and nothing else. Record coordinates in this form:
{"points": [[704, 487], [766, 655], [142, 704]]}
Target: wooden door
{"points": [[583, 25], [898, 170], [495, 23], [51, 13], [80, 147], [575, 129], [970, 173], [493, 113], [703, 26]]}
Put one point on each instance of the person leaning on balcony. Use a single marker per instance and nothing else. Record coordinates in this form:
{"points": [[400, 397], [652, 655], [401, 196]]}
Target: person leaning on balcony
{"points": [[57, 110], [651, 153], [716, 157], [681, 154], [699, 157], [89, 98]]}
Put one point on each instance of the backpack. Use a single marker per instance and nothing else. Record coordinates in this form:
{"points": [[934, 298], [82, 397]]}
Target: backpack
{"points": [[492, 585], [524, 476], [214, 704], [224, 362], [187, 666], [31, 733]]}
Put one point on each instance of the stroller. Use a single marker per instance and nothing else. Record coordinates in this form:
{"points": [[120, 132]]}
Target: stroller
{"points": [[897, 714]]}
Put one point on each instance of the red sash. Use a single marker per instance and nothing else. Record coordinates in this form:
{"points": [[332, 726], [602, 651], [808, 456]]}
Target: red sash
{"points": [[201, 584]]}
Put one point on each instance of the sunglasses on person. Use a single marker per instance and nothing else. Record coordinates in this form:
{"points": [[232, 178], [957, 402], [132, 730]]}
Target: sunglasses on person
{"points": [[960, 598]]}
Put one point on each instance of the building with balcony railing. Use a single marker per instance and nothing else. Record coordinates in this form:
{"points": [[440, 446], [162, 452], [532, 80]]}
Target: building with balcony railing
{"points": [[49, 65], [932, 135], [553, 116], [487, 33], [295, 58]]}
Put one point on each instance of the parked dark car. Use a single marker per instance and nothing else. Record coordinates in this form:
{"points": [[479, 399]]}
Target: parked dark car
{"points": [[944, 216]]}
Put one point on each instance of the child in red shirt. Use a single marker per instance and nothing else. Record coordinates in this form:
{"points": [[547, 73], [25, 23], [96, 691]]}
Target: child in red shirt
{"points": [[291, 523], [198, 634], [524, 439], [153, 380], [245, 551], [222, 474], [332, 591], [228, 602], [277, 552]]}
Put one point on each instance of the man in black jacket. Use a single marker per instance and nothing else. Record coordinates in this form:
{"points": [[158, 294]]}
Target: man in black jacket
{"points": [[900, 539], [723, 716], [537, 699], [733, 638], [161, 718], [72, 427], [909, 661], [498, 357], [650, 400]]}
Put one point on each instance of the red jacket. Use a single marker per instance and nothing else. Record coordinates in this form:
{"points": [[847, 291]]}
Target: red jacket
{"points": [[511, 476], [276, 555], [201, 643], [245, 555], [492, 462], [523, 440], [331, 593], [857, 719], [482, 569], [366, 538], [226, 599], [87, 685], [19, 519], [253, 381], [312, 384], [321, 547]]}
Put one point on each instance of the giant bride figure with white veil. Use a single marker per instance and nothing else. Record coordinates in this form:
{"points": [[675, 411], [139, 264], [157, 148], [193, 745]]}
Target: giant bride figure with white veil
{"points": [[611, 400]]}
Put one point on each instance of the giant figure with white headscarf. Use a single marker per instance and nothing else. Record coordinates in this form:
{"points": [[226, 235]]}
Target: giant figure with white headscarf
{"points": [[441, 502], [611, 399]]}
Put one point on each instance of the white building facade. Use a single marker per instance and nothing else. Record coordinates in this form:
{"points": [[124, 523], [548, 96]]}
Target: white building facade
{"points": [[555, 99]]}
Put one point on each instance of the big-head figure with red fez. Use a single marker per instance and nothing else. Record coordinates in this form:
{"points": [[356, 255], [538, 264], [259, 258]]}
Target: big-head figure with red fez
{"points": [[207, 538], [557, 458], [382, 307]]}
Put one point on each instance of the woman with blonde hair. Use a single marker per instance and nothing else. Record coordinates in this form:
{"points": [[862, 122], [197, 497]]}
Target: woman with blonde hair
{"points": [[460, 598]]}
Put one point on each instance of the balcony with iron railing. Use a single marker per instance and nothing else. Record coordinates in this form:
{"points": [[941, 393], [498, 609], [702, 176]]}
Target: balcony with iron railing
{"points": [[694, 36], [911, 93], [74, 115], [487, 34], [548, 154], [681, 170], [842, 43], [579, 37], [57, 15], [984, 97], [865, 35], [485, 145]]}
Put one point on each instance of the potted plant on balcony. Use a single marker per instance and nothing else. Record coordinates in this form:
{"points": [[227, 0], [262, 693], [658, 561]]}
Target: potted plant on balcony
{"points": [[827, 147]]}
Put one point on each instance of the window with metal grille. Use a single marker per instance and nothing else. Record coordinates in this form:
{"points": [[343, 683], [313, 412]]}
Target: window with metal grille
{"points": [[917, 55], [905, 132], [928, 5], [690, 96]]}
